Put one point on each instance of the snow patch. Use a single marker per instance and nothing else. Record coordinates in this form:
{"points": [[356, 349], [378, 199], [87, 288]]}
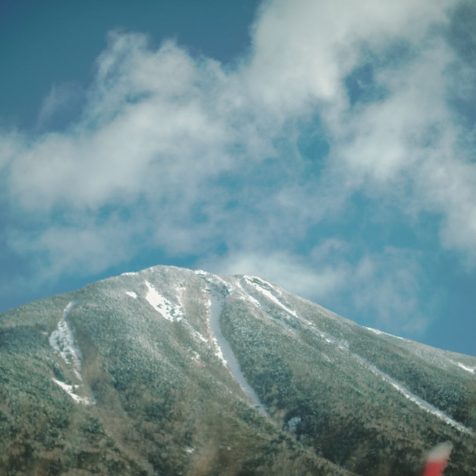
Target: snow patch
{"points": [[195, 334], [128, 274], [218, 351], [163, 306], [70, 390], [253, 301], [189, 450], [342, 344], [201, 272], [293, 423], [131, 294], [471, 370], [63, 343], [199, 336]]}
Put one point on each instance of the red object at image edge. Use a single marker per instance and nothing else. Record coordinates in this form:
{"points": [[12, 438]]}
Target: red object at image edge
{"points": [[437, 460]]}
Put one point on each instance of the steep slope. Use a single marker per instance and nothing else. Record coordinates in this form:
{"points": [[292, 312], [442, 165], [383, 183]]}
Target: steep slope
{"points": [[173, 371]]}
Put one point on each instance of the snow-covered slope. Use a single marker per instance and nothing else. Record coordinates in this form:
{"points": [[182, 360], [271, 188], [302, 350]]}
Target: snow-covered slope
{"points": [[224, 373]]}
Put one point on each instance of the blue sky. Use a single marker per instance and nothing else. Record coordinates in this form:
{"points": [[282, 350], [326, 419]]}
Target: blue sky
{"points": [[327, 146]]}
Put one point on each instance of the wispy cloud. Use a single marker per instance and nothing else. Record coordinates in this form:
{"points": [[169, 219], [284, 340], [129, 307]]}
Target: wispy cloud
{"points": [[59, 100], [382, 289], [292, 272], [201, 159]]}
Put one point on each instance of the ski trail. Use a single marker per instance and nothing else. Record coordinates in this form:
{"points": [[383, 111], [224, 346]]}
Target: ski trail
{"points": [[423, 404], [266, 292], [466, 368], [225, 353]]}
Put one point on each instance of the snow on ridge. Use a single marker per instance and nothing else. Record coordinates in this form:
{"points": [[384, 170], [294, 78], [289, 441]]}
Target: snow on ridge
{"points": [[213, 279], [216, 280], [201, 272], [63, 343], [163, 306], [268, 294], [375, 331], [246, 296], [128, 274], [131, 294], [342, 344], [423, 404], [263, 282], [67, 309], [69, 389], [379, 332], [471, 370]]}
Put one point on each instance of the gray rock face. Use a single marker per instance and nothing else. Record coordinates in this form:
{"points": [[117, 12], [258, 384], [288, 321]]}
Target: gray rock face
{"points": [[174, 371]]}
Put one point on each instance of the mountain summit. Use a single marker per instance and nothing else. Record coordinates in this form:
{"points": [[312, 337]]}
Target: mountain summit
{"points": [[173, 371]]}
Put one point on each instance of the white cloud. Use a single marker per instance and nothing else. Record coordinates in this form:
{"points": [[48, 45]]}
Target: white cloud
{"points": [[10, 147], [77, 249], [381, 141], [380, 289], [448, 185], [60, 97], [291, 272], [407, 147], [303, 49], [132, 140], [201, 154], [387, 286]]}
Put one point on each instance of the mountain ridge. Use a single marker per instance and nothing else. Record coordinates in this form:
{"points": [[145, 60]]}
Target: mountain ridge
{"points": [[314, 393]]}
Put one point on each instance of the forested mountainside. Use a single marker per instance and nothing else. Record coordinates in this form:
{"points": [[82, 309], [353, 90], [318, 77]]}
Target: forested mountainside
{"points": [[174, 371]]}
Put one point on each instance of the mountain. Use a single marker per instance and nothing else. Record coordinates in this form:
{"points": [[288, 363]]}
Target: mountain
{"points": [[173, 371]]}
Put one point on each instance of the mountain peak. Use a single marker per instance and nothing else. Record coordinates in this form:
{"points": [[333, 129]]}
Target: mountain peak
{"points": [[230, 374]]}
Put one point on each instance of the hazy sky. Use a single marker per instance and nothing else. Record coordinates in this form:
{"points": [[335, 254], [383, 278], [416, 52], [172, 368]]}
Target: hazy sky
{"points": [[328, 146]]}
